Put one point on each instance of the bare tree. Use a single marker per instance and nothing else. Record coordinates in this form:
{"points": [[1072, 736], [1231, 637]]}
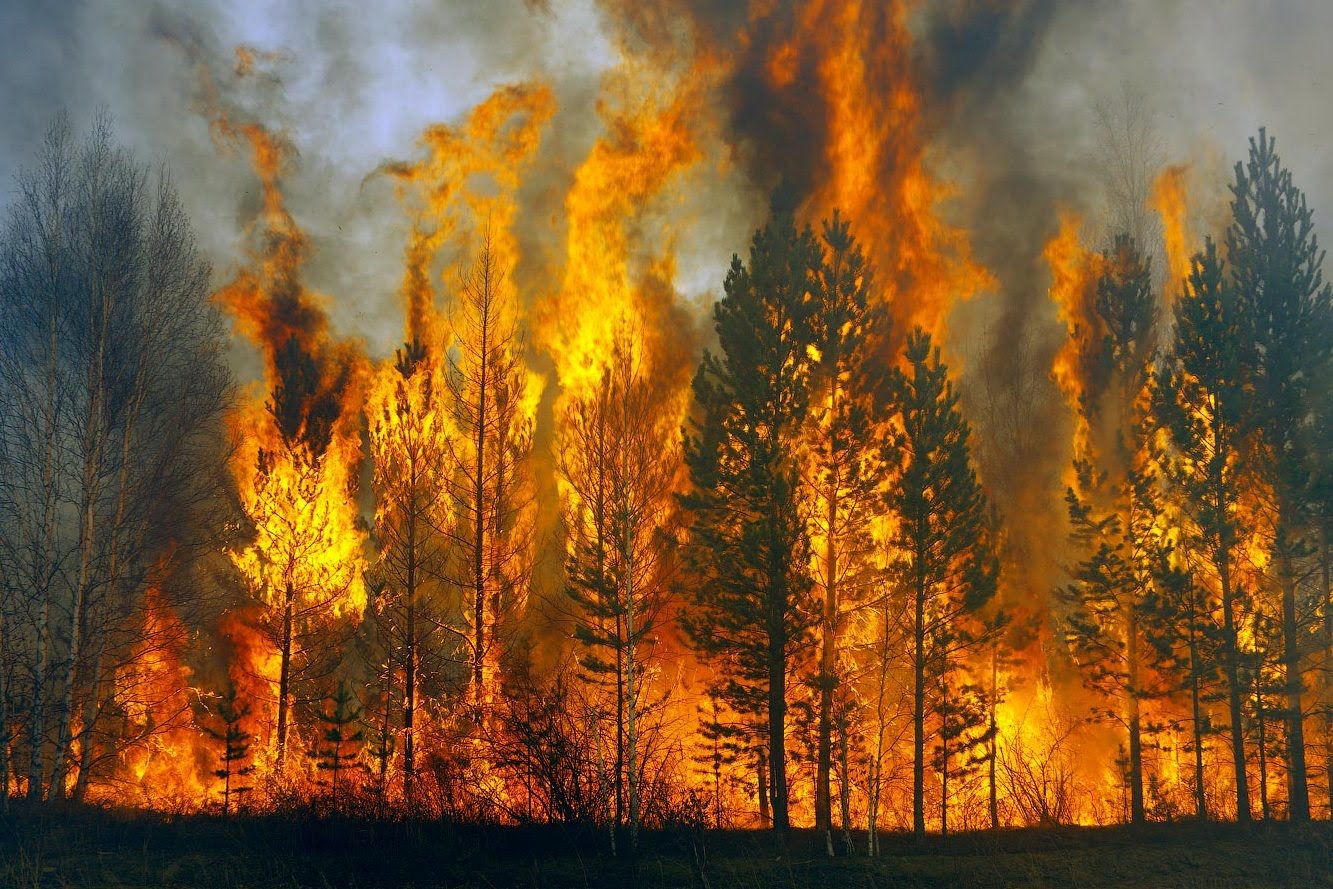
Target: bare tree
{"points": [[487, 481], [407, 434], [620, 460], [113, 382]]}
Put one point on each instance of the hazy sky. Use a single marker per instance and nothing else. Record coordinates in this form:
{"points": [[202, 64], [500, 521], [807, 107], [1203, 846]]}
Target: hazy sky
{"points": [[359, 82]]}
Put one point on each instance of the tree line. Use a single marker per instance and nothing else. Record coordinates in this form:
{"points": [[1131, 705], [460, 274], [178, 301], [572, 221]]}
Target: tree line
{"points": [[816, 541]]}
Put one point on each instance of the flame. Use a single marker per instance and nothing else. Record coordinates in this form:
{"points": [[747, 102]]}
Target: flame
{"points": [[873, 166], [167, 766], [467, 181], [612, 276], [1170, 201], [1074, 274]]}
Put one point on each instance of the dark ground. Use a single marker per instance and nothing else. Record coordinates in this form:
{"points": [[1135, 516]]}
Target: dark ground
{"points": [[93, 848]]}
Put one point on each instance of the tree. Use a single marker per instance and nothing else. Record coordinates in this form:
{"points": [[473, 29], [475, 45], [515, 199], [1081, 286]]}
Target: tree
{"points": [[235, 746], [1112, 503], [340, 743], [490, 406], [1201, 401], [941, 557], [748, 548], [112, 388], [304, 562], [1285, 308], [619, 461], [839, 470], [407, 436]]}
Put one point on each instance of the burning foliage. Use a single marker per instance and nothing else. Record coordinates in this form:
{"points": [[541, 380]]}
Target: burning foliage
{"points": [[547, 562]]}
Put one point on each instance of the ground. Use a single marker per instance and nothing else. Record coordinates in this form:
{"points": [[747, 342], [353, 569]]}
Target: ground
{"points": [[79, 848]]}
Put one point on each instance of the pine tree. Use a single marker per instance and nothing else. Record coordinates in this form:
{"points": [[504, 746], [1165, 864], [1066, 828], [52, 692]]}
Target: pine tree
{"points": [[1113, 501], [488, 476], [1285, 306], [748, 551], [1201, 402], [941, 553], [619, 459], [407, 429], [340, 745], [235, 746], [840, 470]]}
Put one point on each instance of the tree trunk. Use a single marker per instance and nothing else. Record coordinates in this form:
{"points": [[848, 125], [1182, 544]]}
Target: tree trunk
{"points": [[765, 812], [479, 526], [944, 759], [1136, 814], [410, 656], [919, 706], [1235, 688], [1196, 712], [828, 650], [992, 744], [1326, 595], [1261, 714], [777, 702], [284, 675], [1298, 794], [845, 790]]}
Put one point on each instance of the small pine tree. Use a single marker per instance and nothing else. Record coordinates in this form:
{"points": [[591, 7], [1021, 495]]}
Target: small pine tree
{"points": [[235, 746], [341, 743]]}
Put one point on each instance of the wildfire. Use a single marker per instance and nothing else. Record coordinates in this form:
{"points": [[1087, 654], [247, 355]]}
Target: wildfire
{"points": [[1074, 274], [1171, 201], [463, 440]]}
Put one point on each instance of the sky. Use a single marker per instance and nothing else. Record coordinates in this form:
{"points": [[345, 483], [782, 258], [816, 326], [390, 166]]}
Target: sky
{"points": [[359, 81]]}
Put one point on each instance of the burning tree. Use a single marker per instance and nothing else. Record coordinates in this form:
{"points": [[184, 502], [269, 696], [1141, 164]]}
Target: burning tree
{"points": [[1287, 316], [112, 388], [407, 413], [619, 461], [296, 464], [1113, 508], [941, 554], [490, 402], [1201, 402], [749, 547], [842, 474]]}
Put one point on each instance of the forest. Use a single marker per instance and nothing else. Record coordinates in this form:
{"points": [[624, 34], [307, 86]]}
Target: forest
{"points": [[794, 558]]}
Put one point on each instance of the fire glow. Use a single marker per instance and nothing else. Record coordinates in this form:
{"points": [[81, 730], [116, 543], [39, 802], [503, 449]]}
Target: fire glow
{"points": [[457, 580]]}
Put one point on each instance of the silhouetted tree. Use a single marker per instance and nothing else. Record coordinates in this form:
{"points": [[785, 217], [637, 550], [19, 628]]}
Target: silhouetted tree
{"points": [[1287, 311], [748, 547], [941, 554]]}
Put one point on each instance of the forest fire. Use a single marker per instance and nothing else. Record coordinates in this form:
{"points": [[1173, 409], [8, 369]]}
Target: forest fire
{"points": [[592, 545]]}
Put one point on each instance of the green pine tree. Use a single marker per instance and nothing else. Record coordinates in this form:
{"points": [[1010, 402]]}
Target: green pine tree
{"points": [[235, 746], [1276, 270], [942, 553], [340, 744], [748, 550]]}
